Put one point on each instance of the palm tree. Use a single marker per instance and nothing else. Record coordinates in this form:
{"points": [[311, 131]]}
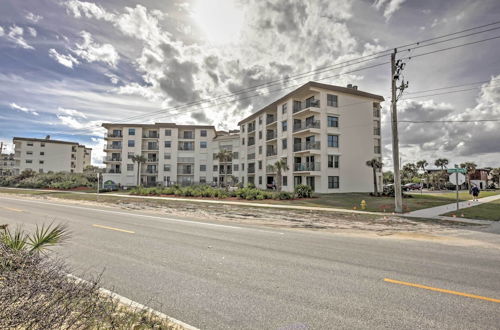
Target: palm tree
{"points": [[374, 164], [441, 162], [224, 156], [470, 167], [43, 238], [423, 164], [139, 159], [280, 166], [495, 175]]}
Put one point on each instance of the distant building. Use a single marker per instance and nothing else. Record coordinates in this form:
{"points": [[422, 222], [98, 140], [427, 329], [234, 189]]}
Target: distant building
{"points": [[480, 178], [7, 164], [47, 155]]}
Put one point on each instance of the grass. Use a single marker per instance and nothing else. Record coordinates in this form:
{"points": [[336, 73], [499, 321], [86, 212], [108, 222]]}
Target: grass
{"points": [[487, 211]]}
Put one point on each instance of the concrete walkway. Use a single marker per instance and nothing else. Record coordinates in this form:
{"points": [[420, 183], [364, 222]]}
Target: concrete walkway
{"points": [[434, 212]]}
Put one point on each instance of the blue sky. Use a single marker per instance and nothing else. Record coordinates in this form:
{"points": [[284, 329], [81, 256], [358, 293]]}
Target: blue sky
{"points": [[66, 66]]}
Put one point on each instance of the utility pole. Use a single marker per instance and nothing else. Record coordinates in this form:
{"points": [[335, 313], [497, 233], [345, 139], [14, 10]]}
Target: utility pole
{"points": [[398, 197]]}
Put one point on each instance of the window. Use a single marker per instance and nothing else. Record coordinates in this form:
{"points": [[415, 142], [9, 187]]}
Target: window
{"points": [[333, 141], [203, 132], [333, 182], [166, 167], [203, 179], [42, 144], [131, 131], [130, 167], [376, 109], [260, 150], [168, 144], [40, 161], [188, 135], [260, 135], [333, 121], [284, 108], [131, 143], [332, 100], [260, 180], [235, 155], [284, 125], [203, 144], [243, 141], [130, 155], [260, 120], [203, 168], [29, 144], [333, 161], [260, 164], [243, 167], [167, 156], [29, 161], [29, 152], [168, 132], [243, 129], [284, 144], [186, 146], [285, 180], [215, 168], [377, 146], [235, 167], [42, 153]]}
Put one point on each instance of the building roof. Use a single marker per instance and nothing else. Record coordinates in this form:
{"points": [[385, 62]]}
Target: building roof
{"points": [[306, 86], [157, 125], [46, 141]]}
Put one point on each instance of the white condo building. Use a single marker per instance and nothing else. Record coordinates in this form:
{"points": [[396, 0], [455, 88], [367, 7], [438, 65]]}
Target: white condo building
{"points": [[325, 134], [46, 155]]}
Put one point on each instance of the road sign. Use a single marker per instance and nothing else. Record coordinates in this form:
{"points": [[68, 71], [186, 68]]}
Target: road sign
{"points": [[457, 170], [460, 177]]}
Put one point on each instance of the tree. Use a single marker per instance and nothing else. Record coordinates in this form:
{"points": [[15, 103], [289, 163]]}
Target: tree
{"points": [[139, 159], [410, 170], [422, 164], [93, 169], [224, 156], [470, 167], [388, 177], [374, 164], [442, 163], [280, 166], [495, 175]]}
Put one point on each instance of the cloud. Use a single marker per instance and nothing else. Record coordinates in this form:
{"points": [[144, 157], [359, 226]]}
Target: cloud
{"points": [[32, 31], [71, 112], [93, 52], [23, 109], [391, 6], [15, 35], [32, 17], [1, 31], [87, 9], [66, 60], [92, 127]]}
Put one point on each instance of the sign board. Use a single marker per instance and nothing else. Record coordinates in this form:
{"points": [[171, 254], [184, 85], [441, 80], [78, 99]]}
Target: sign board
{"points": [[457, 170], [453, 179], [109, 185]]}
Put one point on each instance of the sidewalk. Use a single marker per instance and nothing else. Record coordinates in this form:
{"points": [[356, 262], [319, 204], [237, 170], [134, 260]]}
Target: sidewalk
{"points": [[434, 212]]}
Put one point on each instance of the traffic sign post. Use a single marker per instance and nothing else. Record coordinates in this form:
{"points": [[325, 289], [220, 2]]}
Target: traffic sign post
{"points": [[457, 179]]}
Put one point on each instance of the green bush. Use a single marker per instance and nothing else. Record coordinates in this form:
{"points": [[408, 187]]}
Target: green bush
{"points": [[303, 191], [61, 180], [282, 195]]}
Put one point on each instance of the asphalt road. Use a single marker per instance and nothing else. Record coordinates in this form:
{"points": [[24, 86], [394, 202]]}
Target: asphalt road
{"points": [[215, 276]]}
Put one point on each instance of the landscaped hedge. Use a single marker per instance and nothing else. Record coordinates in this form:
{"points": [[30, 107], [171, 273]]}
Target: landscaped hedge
{"points": [[60, 180], [248, 193]]}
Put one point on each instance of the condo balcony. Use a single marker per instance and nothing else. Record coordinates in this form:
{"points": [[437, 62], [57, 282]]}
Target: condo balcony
{"points": [[112, 159], [150, 135], [306, 167], [306, 146], [185, 171], [148, 147], [271, 120], [112, 147], [113, 170], [306, 107], [112, 135], [306, 126], [150, 171], [271, 152], [271, 135]]}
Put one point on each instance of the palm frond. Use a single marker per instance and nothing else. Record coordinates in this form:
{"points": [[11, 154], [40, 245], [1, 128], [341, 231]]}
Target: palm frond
{"points": [[17, 240], [46, 236]]}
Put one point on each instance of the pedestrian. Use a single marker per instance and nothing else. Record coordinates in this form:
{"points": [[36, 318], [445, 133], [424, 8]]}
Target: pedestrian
{"points": [[475, 193]]}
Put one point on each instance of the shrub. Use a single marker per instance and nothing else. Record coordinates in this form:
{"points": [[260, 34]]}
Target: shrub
{"points": [[303, 191], [282, 195]]}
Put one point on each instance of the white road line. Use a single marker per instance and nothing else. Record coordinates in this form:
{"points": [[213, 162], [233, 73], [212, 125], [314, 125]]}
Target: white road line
{"points": [[144, 216]]}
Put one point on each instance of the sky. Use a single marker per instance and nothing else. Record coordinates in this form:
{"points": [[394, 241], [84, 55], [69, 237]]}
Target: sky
{"points": [[66, 66]]}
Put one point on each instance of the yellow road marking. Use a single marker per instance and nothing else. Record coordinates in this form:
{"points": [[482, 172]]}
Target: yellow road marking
{"points": [[442, 290], [12, 209], [112, 228]]}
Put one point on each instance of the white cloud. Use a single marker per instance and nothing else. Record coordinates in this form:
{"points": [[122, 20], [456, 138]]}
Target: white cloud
{"points": [[66, 60], [87, 9], [391, 6], [93, 52], [32, 31], [23, 109], [15, 35], [1, 31], [113, 78], [33, 17], [72, 112], [90, 127]]}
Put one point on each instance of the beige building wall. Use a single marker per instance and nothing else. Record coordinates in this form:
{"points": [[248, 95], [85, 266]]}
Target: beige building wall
{"points": [[45, 155]]}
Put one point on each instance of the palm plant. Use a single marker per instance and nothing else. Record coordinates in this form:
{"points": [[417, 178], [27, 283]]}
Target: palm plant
{"points": [[374, 164], [470, 167], [224, 156], [139, 159], [43, 237], [422, 164], [280, 166], [495, 175], [442, 163]]}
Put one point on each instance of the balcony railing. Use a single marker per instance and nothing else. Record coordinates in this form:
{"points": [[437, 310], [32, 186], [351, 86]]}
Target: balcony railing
{"points": [[271, 135], [270, 169], [186, 147], [251, 170], [150, 147], [186, 136], [113, 170], [184, 171], [112, 159], [150, 135], [376, 131], [271, 152], [113, 146], [152, 160], [251, 129], [306, 125], [377, 150], [300, 167], [270, 120], [306, 146], [114, 135], [251, 156], [185, 160], [305, 105], [150, 171], [251, 142]]}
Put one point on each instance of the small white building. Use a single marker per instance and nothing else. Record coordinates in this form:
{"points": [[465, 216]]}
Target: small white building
{"points": [[47, 155]]}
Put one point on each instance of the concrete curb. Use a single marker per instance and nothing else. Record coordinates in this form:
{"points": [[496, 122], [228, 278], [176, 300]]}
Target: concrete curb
{"points": [[126, 301]]}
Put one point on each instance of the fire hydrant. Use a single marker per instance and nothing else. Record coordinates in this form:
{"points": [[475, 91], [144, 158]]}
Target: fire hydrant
{"points": [[363, 205]]}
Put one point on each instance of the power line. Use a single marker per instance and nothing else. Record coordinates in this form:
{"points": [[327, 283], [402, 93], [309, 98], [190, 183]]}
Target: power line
{"points": [[454, 86]]}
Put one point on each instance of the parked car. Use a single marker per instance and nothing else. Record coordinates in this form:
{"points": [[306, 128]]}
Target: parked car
{"points": [[412, 186]]}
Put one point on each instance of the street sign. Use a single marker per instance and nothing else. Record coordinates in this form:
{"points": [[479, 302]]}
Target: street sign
{"points": [[460, 177], [457, 170]]}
